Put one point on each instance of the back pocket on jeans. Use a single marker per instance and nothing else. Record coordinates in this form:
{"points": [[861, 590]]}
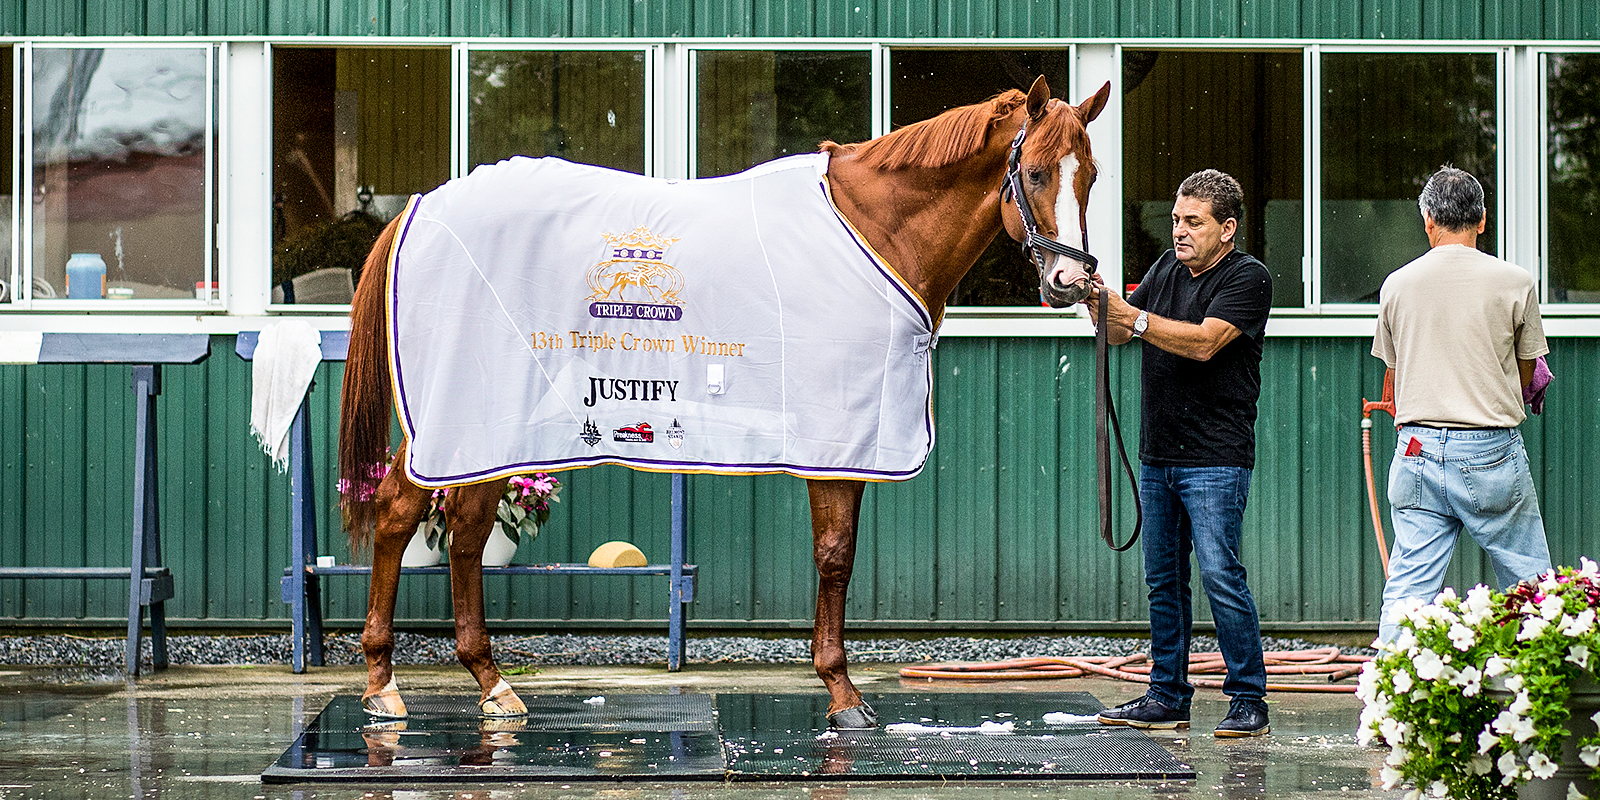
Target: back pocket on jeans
{"points": [[1496, 488], [1405, 482]]}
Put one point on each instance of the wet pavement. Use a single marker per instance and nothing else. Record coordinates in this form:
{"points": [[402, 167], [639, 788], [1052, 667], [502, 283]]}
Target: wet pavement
{"points": [[192, 732]]}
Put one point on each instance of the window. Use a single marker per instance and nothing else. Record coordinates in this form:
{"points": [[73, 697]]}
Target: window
{"points": [[120, 174], [926, 83], [753, 106], [356, 132], [1389, 121], [1573, 161], [583, 106], [1239, 112]]}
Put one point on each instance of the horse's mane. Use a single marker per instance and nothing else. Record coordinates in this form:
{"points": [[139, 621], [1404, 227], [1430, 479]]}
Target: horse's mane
{"points": [[954, 135]]}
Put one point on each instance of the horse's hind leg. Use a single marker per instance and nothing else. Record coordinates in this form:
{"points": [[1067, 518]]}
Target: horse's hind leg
{"points": [[835, 509], [470, 515], [401, 505]]}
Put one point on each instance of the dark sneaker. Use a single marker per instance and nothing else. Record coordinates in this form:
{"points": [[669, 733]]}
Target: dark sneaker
{"points": [[1245, 718], [1145, 713]]}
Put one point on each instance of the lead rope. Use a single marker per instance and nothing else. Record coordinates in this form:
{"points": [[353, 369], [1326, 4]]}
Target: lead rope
{"points": [[1105, 409]]}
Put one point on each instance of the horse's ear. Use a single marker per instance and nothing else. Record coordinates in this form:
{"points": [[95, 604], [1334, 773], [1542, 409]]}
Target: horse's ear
{"points": [[1092, 107], [1038, 97]]}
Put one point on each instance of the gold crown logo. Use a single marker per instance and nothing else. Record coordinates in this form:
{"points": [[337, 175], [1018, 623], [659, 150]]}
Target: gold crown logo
{"points": [[639, 238]]}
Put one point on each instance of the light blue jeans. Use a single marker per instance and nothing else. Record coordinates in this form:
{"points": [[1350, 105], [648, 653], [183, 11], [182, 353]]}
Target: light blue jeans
{"points": [[1472, 479]]}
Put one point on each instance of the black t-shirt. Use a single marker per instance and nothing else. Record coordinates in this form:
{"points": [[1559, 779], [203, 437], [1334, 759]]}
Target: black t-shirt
{"points": [[1203, 413]]}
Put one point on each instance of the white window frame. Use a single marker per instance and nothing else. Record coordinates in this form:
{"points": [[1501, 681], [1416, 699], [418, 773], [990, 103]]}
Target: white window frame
{"points": [[22, 187], [1539, 58]]}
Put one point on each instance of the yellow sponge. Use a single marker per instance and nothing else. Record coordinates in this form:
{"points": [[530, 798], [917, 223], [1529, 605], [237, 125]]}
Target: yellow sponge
{"points": [[617, 554]]}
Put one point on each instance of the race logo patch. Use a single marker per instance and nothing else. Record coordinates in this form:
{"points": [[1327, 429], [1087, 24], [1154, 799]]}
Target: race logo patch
{"points": [[675, 435], [638, 434], [590, 434], [635, 281]]}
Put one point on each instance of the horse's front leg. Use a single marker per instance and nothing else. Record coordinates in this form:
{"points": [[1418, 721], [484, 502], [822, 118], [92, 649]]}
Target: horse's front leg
{"points": [[470, 516], [835, 508], [401, 505]]}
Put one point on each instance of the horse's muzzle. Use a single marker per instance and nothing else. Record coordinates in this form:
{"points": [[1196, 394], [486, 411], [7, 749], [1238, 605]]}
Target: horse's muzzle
{"points": [[1060, 292]]}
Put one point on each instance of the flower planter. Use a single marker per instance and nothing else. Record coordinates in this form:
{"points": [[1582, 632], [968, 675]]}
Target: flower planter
{"points": [[1584, 703], [418, 553], [498, 551]]}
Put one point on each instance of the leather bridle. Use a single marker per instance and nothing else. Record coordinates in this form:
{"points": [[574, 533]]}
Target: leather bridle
{"points": [[1032, 243]]}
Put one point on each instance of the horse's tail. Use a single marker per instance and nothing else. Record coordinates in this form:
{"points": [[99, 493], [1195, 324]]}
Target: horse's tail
{"points": [[366, 400]]}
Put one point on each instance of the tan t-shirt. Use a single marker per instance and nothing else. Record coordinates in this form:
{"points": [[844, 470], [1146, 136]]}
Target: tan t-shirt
{"points": [[1452, 324]]}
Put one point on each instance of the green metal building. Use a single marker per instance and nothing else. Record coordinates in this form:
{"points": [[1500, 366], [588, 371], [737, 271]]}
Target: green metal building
{"points": [[244, 148]]}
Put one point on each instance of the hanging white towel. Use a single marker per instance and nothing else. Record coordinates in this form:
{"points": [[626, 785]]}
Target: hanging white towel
{"points": [[286, 358]]}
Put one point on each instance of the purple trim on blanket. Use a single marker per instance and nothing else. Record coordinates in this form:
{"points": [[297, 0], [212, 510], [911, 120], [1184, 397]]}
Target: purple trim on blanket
{"points": [[664, 466], [394, 324], [888, 275]]}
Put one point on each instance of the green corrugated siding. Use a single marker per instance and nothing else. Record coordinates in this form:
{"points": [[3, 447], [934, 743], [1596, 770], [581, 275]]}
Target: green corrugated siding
{"points": [[1329, 19], [1000, 529]]}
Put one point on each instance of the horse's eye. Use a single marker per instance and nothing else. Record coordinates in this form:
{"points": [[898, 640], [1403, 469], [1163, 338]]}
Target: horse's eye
{"points": [[1038, 177]]}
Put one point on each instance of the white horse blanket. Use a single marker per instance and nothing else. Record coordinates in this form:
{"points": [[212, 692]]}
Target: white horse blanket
{"points": [[546, 315]]}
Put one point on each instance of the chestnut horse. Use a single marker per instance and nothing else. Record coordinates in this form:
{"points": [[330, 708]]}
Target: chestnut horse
{"points": [[928, 198]]}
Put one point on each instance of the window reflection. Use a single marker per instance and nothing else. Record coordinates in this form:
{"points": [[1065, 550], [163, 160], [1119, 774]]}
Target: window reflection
{"points": [[8, 267], [753, 106], [1185, 111], [926, 83], [584, 106], [1574, 192], [120, 149], [1388, 122], [356, 132]]}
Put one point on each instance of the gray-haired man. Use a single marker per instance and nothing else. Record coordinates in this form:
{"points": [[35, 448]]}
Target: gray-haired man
{"points": [[1461, 331]]}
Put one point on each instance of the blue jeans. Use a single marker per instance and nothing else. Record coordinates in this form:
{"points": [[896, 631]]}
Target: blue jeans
{"points": [[1477, 480], [1198, 510]]}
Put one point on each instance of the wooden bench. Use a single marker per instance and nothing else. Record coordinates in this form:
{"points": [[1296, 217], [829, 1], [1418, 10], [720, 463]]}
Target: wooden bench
{"points": [[149, 582], [301, 580]]}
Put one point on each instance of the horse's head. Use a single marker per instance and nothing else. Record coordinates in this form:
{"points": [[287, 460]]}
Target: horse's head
{"points": [[1046, 191]]}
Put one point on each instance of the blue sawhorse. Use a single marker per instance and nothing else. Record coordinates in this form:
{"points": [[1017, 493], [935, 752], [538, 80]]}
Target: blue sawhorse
{"points": [[149, 582], [302, 579]]}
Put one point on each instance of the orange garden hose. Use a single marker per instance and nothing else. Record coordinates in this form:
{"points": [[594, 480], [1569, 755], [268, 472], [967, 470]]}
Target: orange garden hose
{"points": [[1367, 407], [1326, 661]]}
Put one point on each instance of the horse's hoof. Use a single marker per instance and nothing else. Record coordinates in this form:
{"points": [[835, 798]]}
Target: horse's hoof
{"points": [[855, 718], [502, 702], [385, 704]]}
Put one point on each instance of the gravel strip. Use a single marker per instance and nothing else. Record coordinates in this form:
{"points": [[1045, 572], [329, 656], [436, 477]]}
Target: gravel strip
{"points": [[512, 650]]}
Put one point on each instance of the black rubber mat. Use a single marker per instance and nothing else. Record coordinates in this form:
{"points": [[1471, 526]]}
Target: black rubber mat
{"points": [[698, 737]]}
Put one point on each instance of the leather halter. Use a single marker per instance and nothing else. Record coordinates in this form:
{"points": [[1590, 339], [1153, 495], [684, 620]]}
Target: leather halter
{"points": [[1032, 243]]}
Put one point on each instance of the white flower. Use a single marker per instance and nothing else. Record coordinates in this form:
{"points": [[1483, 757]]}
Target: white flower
{"points": [[1438, 789], [1514, 683], [1541, 765], [1579, 654], [1470, 681], [1390, 776], [1573, 793], [1551, 606], [1587, 568], [1508, 767], [1478, 598], [1522, 730], [1397, 756], [1448, 594], [1392, 731], [1590, 755], [1429, 665], [1367, 683], [1487, 740], [1406, 642], [1414, 794], [1581, 624], [1501, 724], [1522, 704], [1402, 681], [1531, 628], [1462, 637], [1496, 666]]}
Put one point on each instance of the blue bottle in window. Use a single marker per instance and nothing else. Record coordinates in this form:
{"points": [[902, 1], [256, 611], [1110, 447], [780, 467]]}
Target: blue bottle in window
{"points": [[86, 276]]}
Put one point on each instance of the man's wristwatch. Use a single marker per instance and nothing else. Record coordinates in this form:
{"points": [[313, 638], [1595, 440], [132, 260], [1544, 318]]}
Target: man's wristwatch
{"points": [[1141, 324]]}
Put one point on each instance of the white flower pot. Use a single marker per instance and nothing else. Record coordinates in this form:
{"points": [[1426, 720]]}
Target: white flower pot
{"points": [[497, 552], [418, 553]]}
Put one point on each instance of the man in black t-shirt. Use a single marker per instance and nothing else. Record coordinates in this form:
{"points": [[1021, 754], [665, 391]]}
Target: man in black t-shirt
{"points": [[1202, 313]]}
